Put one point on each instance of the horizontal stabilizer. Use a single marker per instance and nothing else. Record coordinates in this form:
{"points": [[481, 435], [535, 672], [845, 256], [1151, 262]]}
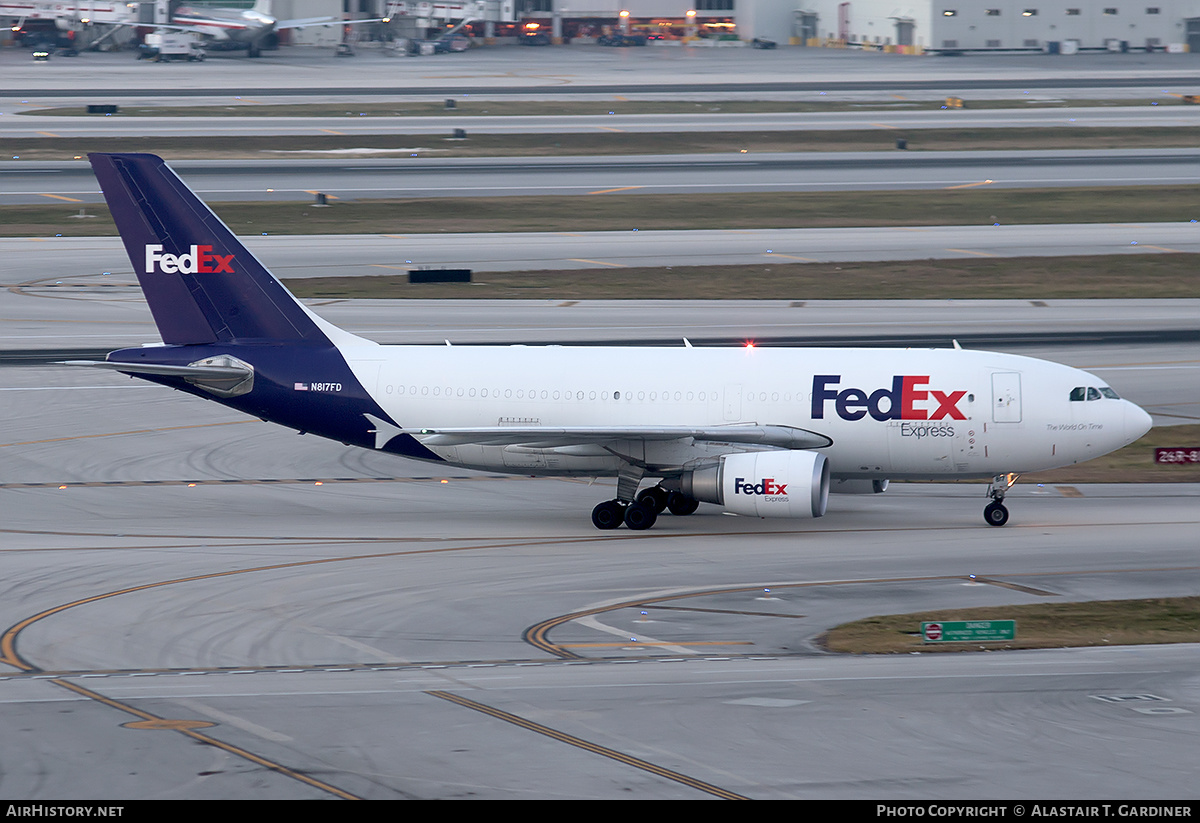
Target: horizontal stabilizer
{"points": [[223, 375], [218, 372]]}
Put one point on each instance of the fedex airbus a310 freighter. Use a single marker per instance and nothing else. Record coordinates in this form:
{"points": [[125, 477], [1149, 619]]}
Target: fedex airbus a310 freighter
{"points": [[760, 431]]}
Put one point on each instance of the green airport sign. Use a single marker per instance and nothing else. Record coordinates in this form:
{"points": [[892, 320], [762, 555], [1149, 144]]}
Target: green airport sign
{"points": [[968, 631]]}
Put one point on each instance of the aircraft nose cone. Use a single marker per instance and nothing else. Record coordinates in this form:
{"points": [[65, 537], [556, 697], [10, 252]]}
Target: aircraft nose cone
{"points": [[1137, 422]]}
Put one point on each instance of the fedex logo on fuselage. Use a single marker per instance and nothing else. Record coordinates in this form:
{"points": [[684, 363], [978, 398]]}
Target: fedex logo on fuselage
{"points": [[200, 260], [907, 399]]}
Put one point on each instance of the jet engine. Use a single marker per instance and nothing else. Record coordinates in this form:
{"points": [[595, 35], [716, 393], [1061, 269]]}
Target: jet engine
{"points": [[790, 483]]}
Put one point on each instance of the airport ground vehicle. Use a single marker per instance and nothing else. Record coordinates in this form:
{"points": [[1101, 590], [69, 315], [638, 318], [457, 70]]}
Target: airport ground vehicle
{"points": [[165, 47]]}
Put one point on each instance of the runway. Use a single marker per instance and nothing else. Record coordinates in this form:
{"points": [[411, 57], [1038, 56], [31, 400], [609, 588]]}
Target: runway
{"points": [[95, 261]]}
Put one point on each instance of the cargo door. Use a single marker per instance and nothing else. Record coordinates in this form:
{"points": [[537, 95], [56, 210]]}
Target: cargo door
{"points": [[1006, 397]]}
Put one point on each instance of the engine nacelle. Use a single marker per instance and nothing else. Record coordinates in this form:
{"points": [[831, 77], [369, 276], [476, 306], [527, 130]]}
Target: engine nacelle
{"points": [[860, 486], [763, 484]]}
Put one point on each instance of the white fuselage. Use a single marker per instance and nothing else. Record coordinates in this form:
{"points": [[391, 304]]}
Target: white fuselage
{"points": [[891, 413]]}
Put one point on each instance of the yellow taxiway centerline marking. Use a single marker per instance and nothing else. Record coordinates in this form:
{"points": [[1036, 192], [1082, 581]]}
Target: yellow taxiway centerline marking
{"points": [[634, 643], [792, 257], [1161, 248], [883, 126], [118, 434], [609, 191], [971, 185], [188, 729], [331, 131], [580, 743], [968, 251], [48, 134], [611, 128], [61, 197], [598, 262]]}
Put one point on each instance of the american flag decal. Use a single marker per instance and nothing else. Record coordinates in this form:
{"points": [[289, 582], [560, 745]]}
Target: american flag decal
{"points": [[300, 387]]}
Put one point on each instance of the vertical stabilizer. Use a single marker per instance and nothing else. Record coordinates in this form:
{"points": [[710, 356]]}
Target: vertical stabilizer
{"points": [[202, 284]]}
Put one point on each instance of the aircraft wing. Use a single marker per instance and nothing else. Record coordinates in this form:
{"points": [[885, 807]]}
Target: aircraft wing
{"points": [[776, 437], [180, 27], [306, 22]]}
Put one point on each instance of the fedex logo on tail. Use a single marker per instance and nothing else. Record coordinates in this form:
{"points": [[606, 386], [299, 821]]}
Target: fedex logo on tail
{"points": [[200, 260], [907, 399]]}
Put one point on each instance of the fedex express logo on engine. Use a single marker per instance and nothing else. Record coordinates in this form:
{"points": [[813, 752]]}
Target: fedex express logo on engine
{"points": [[907, 399], [200, 260], [767, 487]]}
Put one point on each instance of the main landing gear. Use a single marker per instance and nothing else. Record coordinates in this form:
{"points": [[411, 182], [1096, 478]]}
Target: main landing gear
{"points": [[994, 513], [642, 512]]}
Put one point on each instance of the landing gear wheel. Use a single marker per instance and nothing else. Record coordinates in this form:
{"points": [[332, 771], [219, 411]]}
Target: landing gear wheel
{"points": [[681, 504], [640, 516], [994, 514], [655, 497], [608, 515]]}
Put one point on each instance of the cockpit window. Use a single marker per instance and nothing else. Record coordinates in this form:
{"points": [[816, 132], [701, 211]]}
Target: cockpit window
{"points": [[1093, 394], [1078, 393], [1109, 393]]}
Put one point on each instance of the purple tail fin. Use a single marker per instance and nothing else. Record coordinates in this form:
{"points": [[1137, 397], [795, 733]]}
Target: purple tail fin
{"points": [[202, 284]]}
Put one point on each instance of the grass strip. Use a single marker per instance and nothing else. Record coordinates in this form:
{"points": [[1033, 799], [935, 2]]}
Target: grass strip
{"points": [[1132, 464], [624, 211], [1039, 626], [1020, 278], [607, 142]]}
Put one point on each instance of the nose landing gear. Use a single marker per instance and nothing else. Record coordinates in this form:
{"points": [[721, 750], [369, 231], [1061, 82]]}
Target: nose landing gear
{"points": [[994, 513]]}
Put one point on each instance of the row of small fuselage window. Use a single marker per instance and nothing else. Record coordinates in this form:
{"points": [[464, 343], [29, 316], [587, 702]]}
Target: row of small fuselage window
{"points": [[567, 394], [1088, 393]]}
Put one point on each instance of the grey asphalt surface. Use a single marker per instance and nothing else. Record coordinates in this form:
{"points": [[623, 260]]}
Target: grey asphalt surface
{"points": [[200, 605], [420, 176], [188, 566], [348, 255], [608, 117], [508, 72]]}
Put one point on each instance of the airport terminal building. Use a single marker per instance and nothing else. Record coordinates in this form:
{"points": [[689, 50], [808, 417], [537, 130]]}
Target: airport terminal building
{"points": [[909, 26], [1057, 26], [1062, 26]]}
